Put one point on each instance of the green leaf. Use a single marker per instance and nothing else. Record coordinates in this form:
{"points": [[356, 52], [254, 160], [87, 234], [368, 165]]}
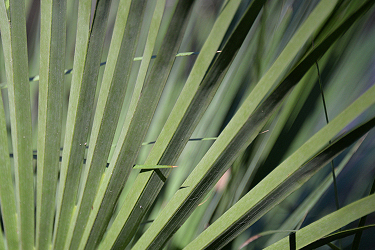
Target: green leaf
{"points": [[361, 223], [51, 91], [336, 236], [295, 218], [193, 100], [134, 130], [112, 92], [2, 243], [280, 183], [87, 62], [13, 35], [237, 135], [251, 56], [152, 167], [69, 71], [329, 223], [8, 203]]}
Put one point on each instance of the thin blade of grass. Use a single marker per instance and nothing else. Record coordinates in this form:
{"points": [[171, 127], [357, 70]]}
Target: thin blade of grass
{"points": [[13, 34], [235, 77], [268, 193], [361, 223], [299, 93], [238, 134], [336, 236], [132, 135], [330, 223], [111, 96], [2, 243], [70, 71], [340, 29], [89, 47], [147, 55], [8, 203], [295, 218], [354, 110], [51, 91], [152, 167], [150, 183]]}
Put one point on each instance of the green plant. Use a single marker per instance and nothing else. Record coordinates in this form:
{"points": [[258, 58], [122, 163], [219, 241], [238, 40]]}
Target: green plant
{"points": [[256, 67]]}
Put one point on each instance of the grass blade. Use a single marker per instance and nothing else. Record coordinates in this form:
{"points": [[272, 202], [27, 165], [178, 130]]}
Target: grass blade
{"points": [[87, 62], [13, 34], [112, 93], [330, 223], [294, 219], [361, 223], [51, 90], [131, 137], [2, 243], [155, 24], [236, 136], [70, 71], [148, 184], [336, 236], [152, 167], [267, 193], [296, 74], [8, 203]]}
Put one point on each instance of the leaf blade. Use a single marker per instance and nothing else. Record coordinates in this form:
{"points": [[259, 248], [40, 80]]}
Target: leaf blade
{"points": [[235, 137], [132, 135], [88, 52], [51, 86], [13, 34], [330, 223], [111, 96]]}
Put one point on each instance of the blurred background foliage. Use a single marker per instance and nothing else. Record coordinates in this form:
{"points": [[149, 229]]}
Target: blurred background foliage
{"points": [[346, 71]]}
